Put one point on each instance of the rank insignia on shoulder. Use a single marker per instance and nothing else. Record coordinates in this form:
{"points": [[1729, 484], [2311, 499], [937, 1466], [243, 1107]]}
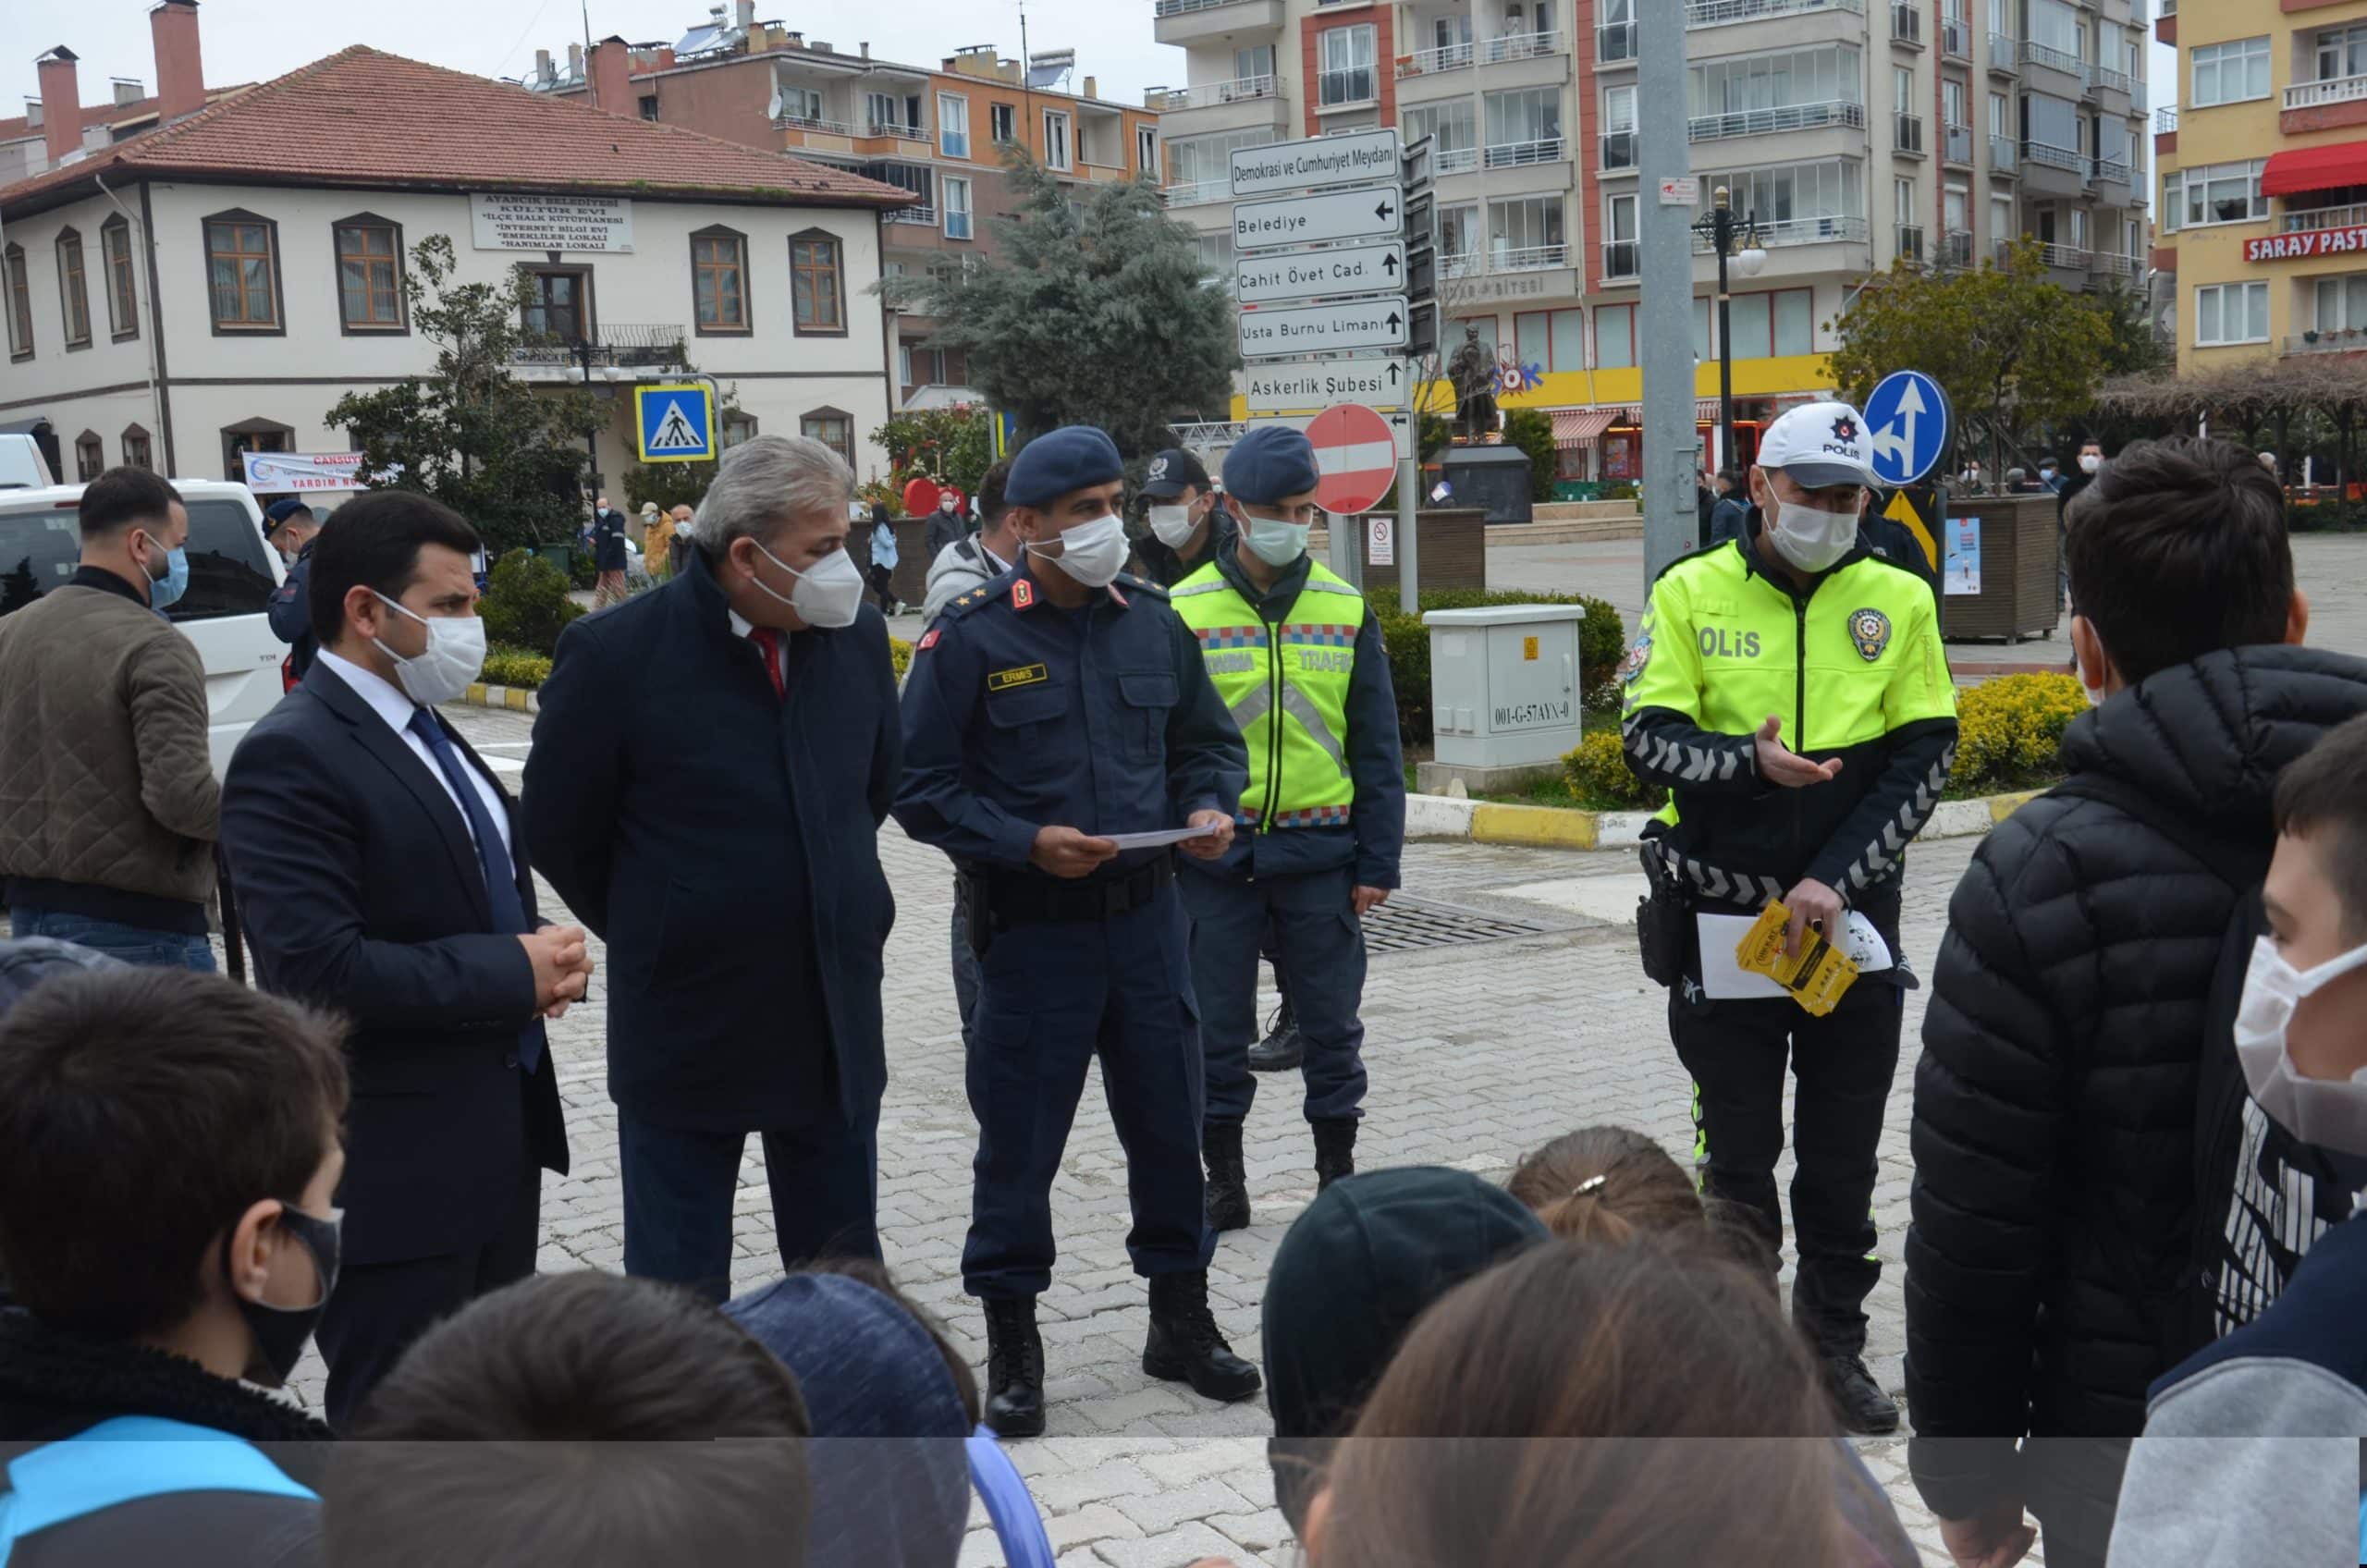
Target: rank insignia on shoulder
{"points": [[1870, 630], [1023, 594], [1025, 675]]}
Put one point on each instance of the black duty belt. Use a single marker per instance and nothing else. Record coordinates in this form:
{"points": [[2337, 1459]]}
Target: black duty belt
{"points": [[1012, 900]]}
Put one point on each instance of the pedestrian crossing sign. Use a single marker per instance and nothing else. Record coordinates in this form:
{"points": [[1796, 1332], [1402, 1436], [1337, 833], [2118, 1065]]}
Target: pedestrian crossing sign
{"points": [[677, 423]]}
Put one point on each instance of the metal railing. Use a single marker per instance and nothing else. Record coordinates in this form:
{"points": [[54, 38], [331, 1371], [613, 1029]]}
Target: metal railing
{"points": [[1955, 248], [2004, 155], [1455, 160], [2114, 171], [1466, 263], [1619, 151], [1518, 154], [1338, 89], [1620, 258], [1530, 258], [2051, 57], [1614, 43], [1907, 242], [1717, 13], [1907, 132], [1207, 94], [2053, 157], [2341, 340], [805, 122], [1764, 122], [1905, 22], [1799, 231], [2002, 56], [1521, 46], [2104, 77], [612, 343], [2312, 218], [2165, 120], [919, 213], [1956, 38], [1955, 144], [2333, 90], [1182, 8], [1430, 61], [2070, 257], [1192, 192], [895, 128], [2117, 266]]}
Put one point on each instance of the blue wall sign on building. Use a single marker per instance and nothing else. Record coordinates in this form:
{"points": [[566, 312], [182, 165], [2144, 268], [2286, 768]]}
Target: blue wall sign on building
{"points": [[1907, 426], [677, 423]]}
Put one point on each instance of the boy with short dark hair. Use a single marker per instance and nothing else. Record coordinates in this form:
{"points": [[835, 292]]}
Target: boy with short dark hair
{"points": [[2048, 1267], [168, 1155], [578, 1419]]}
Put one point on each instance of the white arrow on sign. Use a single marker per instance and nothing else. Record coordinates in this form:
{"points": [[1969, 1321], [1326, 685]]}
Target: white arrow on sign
{"points": [[1377, 212], [1897, 440], [1314, 329], [1282, 387], [1315, 275], [1316, 164]]}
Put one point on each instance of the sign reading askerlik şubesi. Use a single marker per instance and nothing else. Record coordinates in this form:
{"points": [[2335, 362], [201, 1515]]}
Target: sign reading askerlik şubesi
{"points": [[501, 222]]}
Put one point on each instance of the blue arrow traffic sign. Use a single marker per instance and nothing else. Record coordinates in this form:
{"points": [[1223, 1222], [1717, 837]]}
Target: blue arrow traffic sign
{"points": [[677, 423], [1907, 426]]}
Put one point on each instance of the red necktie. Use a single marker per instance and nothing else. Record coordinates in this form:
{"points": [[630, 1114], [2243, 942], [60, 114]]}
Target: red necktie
{"points": [[767, 643]]}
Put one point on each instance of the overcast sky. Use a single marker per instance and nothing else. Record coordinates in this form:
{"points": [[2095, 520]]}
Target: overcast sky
{"points": [[256, 39]]}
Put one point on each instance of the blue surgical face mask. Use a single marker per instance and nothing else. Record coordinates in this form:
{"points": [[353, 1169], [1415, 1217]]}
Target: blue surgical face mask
{"points": [[164, 588]]}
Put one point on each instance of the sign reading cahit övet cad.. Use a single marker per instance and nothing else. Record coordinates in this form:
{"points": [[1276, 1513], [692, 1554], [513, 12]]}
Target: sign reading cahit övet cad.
{"points": [[526, 222], [2305, 244]]}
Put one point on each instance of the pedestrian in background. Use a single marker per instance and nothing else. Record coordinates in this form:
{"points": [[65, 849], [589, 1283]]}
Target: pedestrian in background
{"points": [[710, 769], [2091, 462], [291, 527], [108, 804], [946, 524], [1188, 520], [656, 551], [882, 556], [1729, 517], [379, 872], [609, 555]]}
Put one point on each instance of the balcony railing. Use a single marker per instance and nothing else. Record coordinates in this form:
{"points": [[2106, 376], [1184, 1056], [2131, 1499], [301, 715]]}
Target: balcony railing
{"points": [[1717, 13], [1955, 248], [2165, 120], [2338, 341], [1905, 22], [1182, 8], [2334, 89], [1800, 231], [1520, 46], [1907, 132], [1206, 94], [1519, 155], [2002, 55], [2104, 77], [2053, 157], [2117, 266], [628, 345], [1468, 264], [2312, 218], [1764, 122], [920, 213], [1455, 160], [1906, 240], [1956, 38], [2111, 171], [1431, 62], [1956, 144], [2004, 155], [1337, 90], [895, 128], [2052, 58], [1192, 192], [1619, 151], [1530, 258], [1619, 259], [2070, 257], [807, 122], [1614, 43]]}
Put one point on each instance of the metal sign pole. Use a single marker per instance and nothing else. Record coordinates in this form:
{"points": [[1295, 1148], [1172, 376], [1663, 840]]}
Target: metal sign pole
{"points": [[1665, 330]]}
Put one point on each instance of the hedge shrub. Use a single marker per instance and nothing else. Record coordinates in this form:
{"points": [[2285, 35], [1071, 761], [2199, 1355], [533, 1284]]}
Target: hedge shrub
{"points": [[2009, 730], [900, 653], [1599, 774], [515, 667], [525, 604], [1603, 642]]}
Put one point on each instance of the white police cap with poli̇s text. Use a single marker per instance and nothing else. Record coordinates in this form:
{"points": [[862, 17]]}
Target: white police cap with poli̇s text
{"points": [[1819, 445]]}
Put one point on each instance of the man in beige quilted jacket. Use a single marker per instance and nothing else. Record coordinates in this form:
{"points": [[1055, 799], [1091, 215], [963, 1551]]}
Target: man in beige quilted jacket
{"points": [[108, 804]]}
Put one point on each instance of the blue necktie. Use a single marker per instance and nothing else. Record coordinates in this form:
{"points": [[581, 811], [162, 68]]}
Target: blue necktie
{"points": [[500, 874]]}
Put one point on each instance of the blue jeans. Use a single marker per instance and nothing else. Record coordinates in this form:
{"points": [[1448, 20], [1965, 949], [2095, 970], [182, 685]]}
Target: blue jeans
{"points": [[132, 944]]}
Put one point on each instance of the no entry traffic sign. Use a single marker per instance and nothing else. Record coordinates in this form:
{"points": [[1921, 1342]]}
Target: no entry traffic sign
{"points": [[1356, 456]]}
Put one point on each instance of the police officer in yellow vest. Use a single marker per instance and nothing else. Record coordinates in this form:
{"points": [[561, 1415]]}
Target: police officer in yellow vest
{"points": [[1790, 690], [1299, 662]]}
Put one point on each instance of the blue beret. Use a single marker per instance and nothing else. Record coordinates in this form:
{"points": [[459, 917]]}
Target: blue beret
{"points": [[1070, 458], [1269, 463], [281, 511]]}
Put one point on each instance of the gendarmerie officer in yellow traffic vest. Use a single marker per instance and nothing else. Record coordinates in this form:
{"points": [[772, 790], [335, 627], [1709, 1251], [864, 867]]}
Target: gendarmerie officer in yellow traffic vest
{"points": [[1298, 660], [1797, 633]]}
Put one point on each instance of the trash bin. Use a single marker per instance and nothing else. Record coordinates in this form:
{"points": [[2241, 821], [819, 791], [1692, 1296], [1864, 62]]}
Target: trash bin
{"points": [[559, 556]]}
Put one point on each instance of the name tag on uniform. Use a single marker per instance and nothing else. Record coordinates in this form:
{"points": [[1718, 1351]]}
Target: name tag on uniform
{"points": [[1025, 675]]}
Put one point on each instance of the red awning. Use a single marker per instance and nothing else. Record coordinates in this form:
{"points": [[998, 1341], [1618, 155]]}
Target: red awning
{"points": [[1581, 428], [2315, 168]]}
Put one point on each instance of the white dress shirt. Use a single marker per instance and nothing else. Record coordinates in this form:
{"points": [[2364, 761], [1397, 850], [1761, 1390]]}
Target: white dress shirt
{"points": [[393, 705]]}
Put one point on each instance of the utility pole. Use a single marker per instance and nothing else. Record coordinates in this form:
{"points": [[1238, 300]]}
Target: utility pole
{"points": [[591, 82], [1665, 324]]}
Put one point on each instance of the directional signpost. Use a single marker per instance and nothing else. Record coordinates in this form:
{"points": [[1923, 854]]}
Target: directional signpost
{"points": [[1316, 275], [1377, 212], [1335, 328], [1325, 383], [1906, 428], [1316, 164]]}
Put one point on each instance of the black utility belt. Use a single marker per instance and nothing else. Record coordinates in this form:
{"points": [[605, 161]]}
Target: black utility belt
{"points": [[1012, 899]]}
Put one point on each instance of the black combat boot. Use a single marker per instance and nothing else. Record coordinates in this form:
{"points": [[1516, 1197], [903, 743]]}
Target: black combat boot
{"points": [[1335, 1150], [1228, 1183], [1185, 1345], [1856, 1398], [1282, 1049], [1014, 1369]]}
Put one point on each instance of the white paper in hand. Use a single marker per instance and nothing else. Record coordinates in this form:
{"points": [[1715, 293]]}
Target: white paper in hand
{"points": [[1154, 841], [1723, 979]]}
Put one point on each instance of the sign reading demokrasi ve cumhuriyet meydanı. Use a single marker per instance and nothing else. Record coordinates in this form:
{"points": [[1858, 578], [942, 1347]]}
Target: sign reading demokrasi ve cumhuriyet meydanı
{"points": [[1314, 165], [530, 222]]}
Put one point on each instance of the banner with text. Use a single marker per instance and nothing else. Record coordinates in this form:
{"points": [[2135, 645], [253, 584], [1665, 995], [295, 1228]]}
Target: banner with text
{"points": [[600, 224]]}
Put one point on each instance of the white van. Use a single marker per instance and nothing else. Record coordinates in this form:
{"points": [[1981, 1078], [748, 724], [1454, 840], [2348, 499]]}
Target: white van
{"points": [[23, 465], [231, 574]]}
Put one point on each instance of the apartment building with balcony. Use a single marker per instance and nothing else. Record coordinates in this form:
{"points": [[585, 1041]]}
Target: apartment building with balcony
{"points": [[2263, 170], [934, 130], [1855, 131]]}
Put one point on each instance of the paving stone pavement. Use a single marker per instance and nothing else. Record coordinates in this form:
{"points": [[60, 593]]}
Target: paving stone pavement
{"points": [[1477, 1054]]}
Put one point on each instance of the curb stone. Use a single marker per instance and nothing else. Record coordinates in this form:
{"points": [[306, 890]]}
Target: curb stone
{"points": [[516, 699], [1492, 822]]}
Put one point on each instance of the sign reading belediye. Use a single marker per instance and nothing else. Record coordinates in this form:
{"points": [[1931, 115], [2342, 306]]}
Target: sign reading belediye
{"points": [[526, 222]]}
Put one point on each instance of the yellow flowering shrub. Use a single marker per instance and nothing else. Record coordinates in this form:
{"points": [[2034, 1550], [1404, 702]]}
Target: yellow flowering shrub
{"points": [[2009, 730], [1599, 774], [900, 653]]}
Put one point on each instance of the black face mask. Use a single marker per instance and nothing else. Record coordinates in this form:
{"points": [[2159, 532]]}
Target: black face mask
{"points": [[281, 1331]]}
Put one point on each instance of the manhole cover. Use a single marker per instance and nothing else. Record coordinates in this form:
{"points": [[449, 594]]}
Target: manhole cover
{"points": [[1403, 925]]}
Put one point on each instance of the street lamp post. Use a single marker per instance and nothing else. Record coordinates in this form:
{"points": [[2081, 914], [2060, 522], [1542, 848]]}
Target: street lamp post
{"points": [[1723, 230]]}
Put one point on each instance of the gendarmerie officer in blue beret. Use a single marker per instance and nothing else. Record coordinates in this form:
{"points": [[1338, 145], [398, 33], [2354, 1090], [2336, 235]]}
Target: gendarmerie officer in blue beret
{"points": [[1061, 702], [292, 527]]}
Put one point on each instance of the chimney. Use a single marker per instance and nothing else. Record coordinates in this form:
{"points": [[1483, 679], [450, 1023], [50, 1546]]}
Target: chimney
{"points": [[1090, 92], [180, 69], [746, 13], [32, 113], [128, 89], [61, 103], [611, 77], [865, 47], [575, 64], [543, 71], [665, 57]]}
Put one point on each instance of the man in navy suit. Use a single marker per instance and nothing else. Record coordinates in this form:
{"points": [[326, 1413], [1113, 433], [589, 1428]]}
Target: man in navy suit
{"points": [[380, 872], [709, 773]]}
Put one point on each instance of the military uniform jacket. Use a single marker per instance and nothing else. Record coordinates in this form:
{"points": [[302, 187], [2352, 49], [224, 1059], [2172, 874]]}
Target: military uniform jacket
{"points": [[1019, 714], [1855, 669]]}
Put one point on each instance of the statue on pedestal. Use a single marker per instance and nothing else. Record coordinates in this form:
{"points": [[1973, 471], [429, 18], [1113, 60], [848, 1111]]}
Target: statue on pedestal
{"points": [[1473, 373]]}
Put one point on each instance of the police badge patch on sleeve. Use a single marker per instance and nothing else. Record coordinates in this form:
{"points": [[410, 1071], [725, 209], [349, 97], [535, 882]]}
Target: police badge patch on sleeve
{"points": [[1870, 630], [1638, 656]]}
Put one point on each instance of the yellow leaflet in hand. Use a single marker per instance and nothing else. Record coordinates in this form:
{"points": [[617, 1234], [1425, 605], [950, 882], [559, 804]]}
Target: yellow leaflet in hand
{"points": [[1816, 979]]}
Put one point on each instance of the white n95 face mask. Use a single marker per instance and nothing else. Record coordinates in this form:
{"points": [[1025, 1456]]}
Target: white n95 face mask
{"points": [[1172, 526], [1811, 539], [1091, 551], [452, 660], [2329, 1112], [830, 596]]}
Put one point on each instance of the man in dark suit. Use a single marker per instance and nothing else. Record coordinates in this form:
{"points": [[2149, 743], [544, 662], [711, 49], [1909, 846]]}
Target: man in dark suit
{"points": [[377, 866], [745, 932]]}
